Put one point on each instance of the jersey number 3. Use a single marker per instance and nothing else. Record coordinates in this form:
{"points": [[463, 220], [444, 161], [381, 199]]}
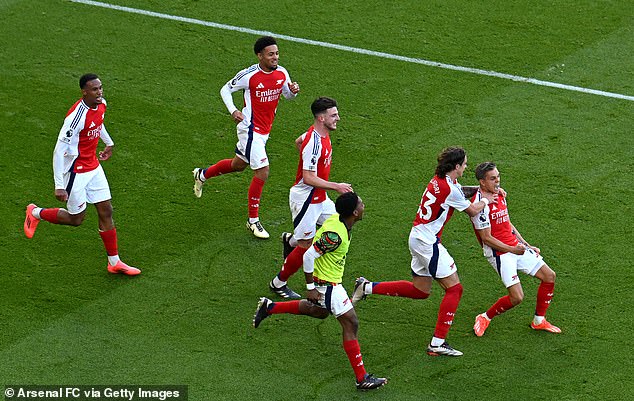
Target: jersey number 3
{"points": [[425, 205]]}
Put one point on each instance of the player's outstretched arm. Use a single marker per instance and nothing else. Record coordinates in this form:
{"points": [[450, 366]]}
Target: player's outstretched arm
{"points": [[469, 191], [476, 207]]}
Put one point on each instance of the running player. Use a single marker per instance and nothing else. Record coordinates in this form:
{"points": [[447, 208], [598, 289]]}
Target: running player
{"points": [[508, 252], [79, 177], [262, 83], [430, 259], [323, 267], [309, 202]]}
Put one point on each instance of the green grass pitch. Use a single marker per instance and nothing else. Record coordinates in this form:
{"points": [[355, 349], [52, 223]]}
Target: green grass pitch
{"points": [[566, 160]]}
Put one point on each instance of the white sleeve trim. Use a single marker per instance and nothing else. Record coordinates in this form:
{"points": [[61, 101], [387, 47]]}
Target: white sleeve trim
{"points": [[311, 152], [481, 220], [456, 198]]}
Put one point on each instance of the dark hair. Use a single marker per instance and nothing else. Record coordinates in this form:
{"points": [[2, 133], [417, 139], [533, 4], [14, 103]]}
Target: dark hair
{"points": [[483, 168], [264, 41], [448, 158], [87, 78], [346, 204], [322, 104]]}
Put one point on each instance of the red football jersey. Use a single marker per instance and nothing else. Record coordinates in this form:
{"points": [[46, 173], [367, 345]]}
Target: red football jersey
{"points": [[496, 217], [81, 131], [440, 198], [315, 155], [262, 92]]}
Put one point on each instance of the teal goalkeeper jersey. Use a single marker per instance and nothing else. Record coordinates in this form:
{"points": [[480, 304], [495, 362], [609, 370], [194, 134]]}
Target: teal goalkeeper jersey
{"points": [[332, 240]]}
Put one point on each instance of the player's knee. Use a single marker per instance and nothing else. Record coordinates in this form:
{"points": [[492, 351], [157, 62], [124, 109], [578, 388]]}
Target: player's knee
{"points": [[310, 309], [352, 329], [550, 276], [516, 299], [238, 164], [76, 219], [262, 173], [351, 324], [423, 284], [104, 210]]}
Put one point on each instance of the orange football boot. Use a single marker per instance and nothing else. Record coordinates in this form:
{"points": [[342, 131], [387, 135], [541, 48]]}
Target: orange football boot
{"points": [[481, 324], [122, 268], [30, 222], [545, 325]]}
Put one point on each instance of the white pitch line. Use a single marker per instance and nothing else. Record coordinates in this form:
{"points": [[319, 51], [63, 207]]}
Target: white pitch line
{"points": [[477, 71]]}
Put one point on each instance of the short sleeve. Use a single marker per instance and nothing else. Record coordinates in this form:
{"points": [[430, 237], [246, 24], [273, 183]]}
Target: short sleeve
{"points": [[311, 152], [481, 220], [329, 241], [456, 198]]}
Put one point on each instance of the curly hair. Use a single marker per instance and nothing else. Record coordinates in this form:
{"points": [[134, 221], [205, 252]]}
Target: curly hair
{"points": [[264, 41], [448, 159]]}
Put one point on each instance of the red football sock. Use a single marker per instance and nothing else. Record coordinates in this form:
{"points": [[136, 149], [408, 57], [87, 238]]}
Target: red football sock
{"points": [[356, 359], [502, 305], [50, 215], [285, 307], [222, 167], [109, 239], [255, 192], [400, 288], [293, 262], [544, 295], [447, 310]]}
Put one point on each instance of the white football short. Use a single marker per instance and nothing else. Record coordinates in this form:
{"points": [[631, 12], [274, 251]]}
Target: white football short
{"points": [[251, 148], [82, 188], [508, 264], [430, 260], [334, 299], [306, 217]]}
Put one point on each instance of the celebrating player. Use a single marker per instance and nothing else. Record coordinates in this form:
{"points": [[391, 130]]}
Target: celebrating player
{"points": [[79, 178], [262, 84], [508, 252], [323, 267], [309, 202], [430, 259]]}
